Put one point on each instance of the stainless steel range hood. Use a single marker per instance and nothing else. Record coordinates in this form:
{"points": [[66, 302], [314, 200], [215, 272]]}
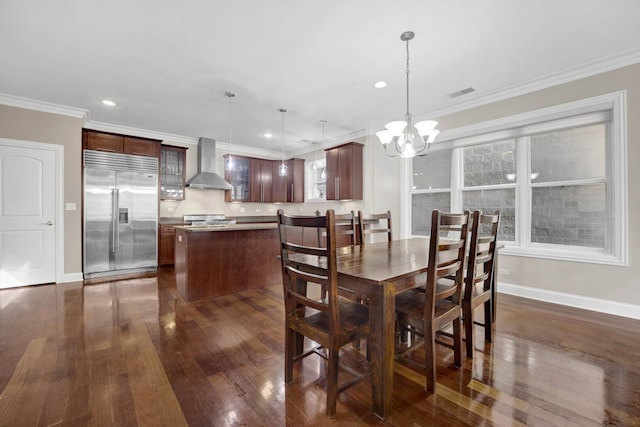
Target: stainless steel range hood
{"points": [[206, 178]]}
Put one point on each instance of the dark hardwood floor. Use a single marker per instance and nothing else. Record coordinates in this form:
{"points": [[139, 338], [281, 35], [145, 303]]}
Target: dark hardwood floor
{"points": [[131, 353]]}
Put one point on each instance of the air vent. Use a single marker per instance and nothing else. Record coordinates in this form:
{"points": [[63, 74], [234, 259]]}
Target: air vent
{"points": [[462, 92]]}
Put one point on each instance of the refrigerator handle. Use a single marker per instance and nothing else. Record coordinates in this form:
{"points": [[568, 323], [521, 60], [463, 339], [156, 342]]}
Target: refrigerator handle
{"points": [[116, 229]]}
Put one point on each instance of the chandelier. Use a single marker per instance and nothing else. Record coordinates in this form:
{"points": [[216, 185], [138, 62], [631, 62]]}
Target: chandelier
{"points": [[408, 140]]}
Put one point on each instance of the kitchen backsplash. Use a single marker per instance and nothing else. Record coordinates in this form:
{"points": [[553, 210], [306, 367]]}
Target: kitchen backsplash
{"points": [[212, 201]]}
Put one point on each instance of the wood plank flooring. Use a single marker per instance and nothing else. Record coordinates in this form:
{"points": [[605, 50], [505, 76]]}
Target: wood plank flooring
{"points": [[132, 353]]}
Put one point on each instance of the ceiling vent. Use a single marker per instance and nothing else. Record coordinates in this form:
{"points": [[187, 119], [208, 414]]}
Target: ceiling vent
{"points": [[462, 92]]}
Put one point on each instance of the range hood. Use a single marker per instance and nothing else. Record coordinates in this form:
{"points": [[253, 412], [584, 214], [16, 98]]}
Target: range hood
{"points": [[206, 178]]}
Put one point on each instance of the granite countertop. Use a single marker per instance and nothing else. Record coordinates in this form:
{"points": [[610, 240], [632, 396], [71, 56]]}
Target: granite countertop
{"points": [[230, 227], [239, 219]]}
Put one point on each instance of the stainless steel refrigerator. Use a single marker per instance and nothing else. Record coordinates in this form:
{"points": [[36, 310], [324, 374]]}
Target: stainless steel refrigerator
{"points": [[120, 213]]}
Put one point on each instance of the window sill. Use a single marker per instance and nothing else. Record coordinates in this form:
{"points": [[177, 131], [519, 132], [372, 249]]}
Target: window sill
{"points": [[590, 256]]}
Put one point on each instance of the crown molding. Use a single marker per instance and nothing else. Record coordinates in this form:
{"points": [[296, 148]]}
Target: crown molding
{"points": [[613, 62], [45, 107]]}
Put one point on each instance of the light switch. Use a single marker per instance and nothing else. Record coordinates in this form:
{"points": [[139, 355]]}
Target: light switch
{"points": [[70, 206]]}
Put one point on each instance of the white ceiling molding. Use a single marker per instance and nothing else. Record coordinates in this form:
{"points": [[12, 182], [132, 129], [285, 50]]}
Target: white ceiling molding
{"points": [[611, 63], [45, 107]]}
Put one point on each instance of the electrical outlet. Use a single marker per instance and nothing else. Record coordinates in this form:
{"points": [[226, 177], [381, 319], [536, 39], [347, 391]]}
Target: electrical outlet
{"points": [[170, 209], [242, 210], [503, 271], [257, 209]]}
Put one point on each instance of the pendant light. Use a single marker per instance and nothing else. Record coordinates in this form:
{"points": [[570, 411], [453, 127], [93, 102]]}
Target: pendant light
{"points": [[282, 170], [229, 164], [323, 171]]}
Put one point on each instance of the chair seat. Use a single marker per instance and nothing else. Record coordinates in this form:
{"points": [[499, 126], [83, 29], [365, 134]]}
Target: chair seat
{"points": [[445, 288], [354, 317], [411, 304]]}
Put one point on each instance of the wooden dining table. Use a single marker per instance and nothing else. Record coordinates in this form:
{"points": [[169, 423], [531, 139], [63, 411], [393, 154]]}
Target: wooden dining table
{"points": [[380, 271]]}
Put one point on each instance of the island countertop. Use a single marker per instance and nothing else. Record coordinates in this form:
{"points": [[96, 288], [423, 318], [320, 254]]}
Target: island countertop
{"points": [[228, 227]]}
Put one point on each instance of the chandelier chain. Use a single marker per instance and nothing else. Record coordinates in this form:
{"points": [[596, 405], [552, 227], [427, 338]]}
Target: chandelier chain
{"points": [[407, 73]]}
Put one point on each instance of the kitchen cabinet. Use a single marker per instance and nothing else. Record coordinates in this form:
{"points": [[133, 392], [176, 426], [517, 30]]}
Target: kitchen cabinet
{"points": [[261, 180], [103, 141], [344, 172], [238, 177], [289, 188], [166, 244], [172, 172]]}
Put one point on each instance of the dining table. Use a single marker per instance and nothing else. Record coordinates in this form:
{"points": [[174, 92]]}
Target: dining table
{"points": [[379, 272]]}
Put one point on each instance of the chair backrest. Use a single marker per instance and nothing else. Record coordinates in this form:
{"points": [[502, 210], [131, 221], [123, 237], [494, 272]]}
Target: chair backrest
{"points": [[366, 228], [447, 251], [346, 230], [482, 249], [302, 263]]}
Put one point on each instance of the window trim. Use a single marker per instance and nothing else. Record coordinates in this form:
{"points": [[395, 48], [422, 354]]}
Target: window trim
{"points": [[610, 106]]}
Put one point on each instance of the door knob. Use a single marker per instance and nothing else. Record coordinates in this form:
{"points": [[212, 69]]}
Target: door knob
{"points": [[49, 223]]}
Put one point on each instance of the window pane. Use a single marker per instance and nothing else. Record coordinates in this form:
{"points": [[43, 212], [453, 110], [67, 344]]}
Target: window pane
{"points": [[489, 164], [315, 179], [489, 201], [569, 154], [421, 207], [570, 215], [432, 171]]}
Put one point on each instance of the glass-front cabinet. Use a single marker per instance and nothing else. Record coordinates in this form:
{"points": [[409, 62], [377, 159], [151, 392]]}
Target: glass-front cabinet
{"points": [[172, 172], [236, 173]]}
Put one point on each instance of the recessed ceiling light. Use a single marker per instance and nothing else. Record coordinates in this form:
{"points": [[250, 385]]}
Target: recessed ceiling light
{"points": [[108, 103], [380, 85], [267, 135]]}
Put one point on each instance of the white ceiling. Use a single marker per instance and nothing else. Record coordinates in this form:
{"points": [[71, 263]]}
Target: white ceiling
{"points": [[168, 63]]}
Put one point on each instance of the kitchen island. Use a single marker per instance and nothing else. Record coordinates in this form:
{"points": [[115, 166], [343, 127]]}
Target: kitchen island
{"points": [[218, 260]]}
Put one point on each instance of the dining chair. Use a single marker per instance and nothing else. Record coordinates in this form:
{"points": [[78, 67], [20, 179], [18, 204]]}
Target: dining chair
{"points": [[330, 322], [421, 313], [366, 227], [479, 277]]}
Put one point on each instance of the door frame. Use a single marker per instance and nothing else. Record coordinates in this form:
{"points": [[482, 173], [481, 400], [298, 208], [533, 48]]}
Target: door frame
{"points": [[58, 150]]}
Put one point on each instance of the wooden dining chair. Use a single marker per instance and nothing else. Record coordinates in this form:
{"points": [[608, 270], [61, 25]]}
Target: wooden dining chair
{"points": [[366, 227], [479, 277], [330, 322], [421, 313]]}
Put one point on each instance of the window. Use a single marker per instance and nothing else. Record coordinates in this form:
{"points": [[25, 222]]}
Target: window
{"points": [[315, 179], [558, 176]]}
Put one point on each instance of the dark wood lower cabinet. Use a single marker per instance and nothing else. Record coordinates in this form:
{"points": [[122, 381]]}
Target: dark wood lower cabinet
{"points": [[166, 244]]}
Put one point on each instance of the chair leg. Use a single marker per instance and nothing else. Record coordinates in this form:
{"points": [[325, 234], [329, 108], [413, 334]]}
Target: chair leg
{"points": [[430, 356], [468, 328], [289, 350], [457, 342], [401, 325], [332, 382], [488, 324]]}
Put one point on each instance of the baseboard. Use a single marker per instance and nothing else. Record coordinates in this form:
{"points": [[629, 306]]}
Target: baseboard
{"points": [[72, 277], [577, 301]]}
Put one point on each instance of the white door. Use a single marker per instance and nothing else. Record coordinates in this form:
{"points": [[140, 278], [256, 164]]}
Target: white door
{"points": [[27, 214]]}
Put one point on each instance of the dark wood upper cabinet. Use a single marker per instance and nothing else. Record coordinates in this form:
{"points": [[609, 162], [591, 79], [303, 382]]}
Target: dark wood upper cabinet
{"points": [[261, 180], [104, 141], [239, 178], [344, 172], [141, 146], [172, 172], [290, 188]]}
